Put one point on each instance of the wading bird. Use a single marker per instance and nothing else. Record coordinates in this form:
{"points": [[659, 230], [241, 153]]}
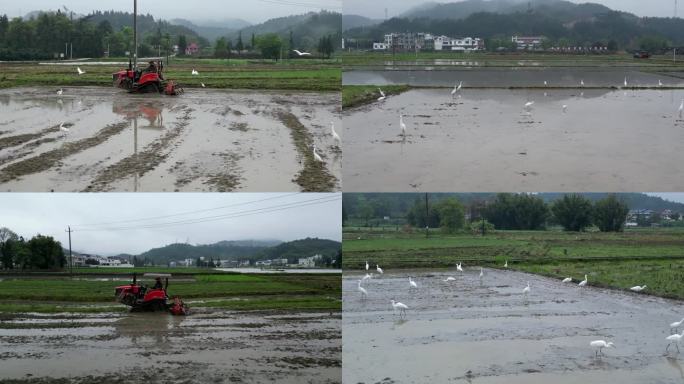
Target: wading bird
{"points": [[582, 83], [367, 277], [448, 279], [194, 72], [481, 273], [412, 284], [674, 339], [681, 109], [457, 88], [382, 95], [362, 290], [526, 290], [64, 129], [335, 136], [203, 86], [377, 268], [299, 53], [676, 325], [399, 306], [506, 264], [565, 108], [316, 155], [545, 83], [625, 81], [660, 83], [459, 267], [600, 344], [637, 288], [366, 265], [583, 282], [60, 92], [567, 280], [402, 125], [528, 105], [80, 72]]}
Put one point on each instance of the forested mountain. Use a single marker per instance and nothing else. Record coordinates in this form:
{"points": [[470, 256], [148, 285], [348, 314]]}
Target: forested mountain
{"points": [[561, 22], [307, 29], [213, 31], [355, 21], [294, 250]]}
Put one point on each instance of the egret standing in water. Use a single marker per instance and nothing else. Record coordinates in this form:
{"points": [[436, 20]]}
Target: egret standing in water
{"points": [[457, 88], [625, 82], [399, 306], [600, 344], [382, 95], [637, 288], [335, 136], [545, 83], [526, 290], [674, 339], [377, 267], [449, 279], [316, 155], [402, 125], [582, 83], [362, 290], [481, 274], [459, 268], [676, 325], [60, 92], [506, 264], [367, 277], [565, 108], [412, 284], [366, 265], [567, 280], [583, 282], [528, 106], [63, 129], [681, 109]]}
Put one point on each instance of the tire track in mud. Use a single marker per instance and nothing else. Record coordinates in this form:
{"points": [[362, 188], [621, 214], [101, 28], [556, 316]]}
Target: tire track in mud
{"points": [[314, 177], [16, 140], [142, 162], [49, 159]]}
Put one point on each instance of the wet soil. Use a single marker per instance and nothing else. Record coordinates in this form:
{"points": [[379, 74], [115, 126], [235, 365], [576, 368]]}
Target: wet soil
{"points": [[204, 140], [485, 331], [205, 347]]}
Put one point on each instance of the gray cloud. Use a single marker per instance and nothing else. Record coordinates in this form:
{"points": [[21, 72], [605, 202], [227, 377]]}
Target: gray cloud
{"points": [[49, 214]]}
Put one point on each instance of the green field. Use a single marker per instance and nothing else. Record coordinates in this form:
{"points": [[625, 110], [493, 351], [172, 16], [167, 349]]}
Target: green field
{"points": [[654, 257], [307, 75], [355, 95], [488, 59], [88, 293]]}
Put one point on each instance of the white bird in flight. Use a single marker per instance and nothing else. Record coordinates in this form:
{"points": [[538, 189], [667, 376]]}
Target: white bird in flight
{"points": [[335, 136], [676, 325], [402, 125], [448, 279], [459, 267], [80, 72], [299, 53], [528, 105], [316, 155], [377, 268], [412, 284], [583, 282], [600, 344], [194, 72], [567, 280], [637, 288], [362, 290], [399, 306], [382, 95], [674, 339]]}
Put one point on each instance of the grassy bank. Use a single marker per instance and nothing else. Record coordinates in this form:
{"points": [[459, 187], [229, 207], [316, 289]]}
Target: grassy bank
{"points": [[230, 291], [307, 75], [654, 257], [356, 95]]}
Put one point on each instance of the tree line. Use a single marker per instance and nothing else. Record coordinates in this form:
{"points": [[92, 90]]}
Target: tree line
{"points": [[506, 211], [39, 252]]}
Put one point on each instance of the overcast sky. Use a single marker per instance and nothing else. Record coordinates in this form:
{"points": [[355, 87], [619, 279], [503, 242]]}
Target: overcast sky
{"points": [[29, 214], [376, 8], [254, 11]]}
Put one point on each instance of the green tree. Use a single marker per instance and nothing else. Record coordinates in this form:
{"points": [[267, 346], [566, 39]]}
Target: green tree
{"points": [[221, 48], [46, 253], [182, 45], [573, 212], [610, 214], [270, 45], [451, 215], [240, 45], [8, 249], [517, 211]]}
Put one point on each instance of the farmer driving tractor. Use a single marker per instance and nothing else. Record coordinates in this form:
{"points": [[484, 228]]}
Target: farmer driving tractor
{"points": [[152, 68], [158, 283]]}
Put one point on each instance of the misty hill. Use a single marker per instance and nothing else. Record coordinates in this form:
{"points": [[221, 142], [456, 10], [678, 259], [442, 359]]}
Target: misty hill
{"points": [[355, 21], [212, 30], [395, 205], [147, 24], [225, 250], [583, 24], [301, 248], [307, 29]]}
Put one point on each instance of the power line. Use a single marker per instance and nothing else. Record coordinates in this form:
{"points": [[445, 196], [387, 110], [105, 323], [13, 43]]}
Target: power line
{"points": [[187, 212], [250, 212]]}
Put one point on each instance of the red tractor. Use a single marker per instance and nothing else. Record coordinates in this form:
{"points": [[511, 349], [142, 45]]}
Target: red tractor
{"points": [[141, 298], [150, 80]]}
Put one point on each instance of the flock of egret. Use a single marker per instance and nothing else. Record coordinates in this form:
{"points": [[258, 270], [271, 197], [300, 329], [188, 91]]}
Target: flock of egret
{"points": [[598, 345]]}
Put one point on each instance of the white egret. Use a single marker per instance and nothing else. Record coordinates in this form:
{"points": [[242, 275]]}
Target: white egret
{"points": [[600, 344], [80, 72], [565, 108], [529, 105], [625, 81], [506, 264], [194, 72], [567, 280], [457, 88], [366, 265], [402, 125], [362, 290], [367, 277], [335, 136], [681, 109], [64, 129], [526, 290], [60, 92], [382, 95], [545, 83], [637, 288], [377, 267], [203, 86], [412, 284], [582, 82], [459, 268], [448, 279], [300, 53], [660, 83], [583, 282], [399, 306], [674, 339], [316, 155], [676, 325]]}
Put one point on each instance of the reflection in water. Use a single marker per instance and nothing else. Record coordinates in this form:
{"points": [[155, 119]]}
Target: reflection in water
{"points": [[149, 331], [673, 362]]}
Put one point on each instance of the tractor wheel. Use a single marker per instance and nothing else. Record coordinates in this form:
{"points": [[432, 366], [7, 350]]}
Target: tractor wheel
{"points": [[158, 306]]}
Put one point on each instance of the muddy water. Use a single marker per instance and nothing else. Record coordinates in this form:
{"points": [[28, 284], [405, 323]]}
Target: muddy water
{"points": [[515, 77], [201, 141], [485, 140], [217, 347], [469, 331]]}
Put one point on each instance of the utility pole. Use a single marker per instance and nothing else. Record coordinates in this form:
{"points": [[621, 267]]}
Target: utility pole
{"points": [[427, 217], [71, 260], [135, 34]]}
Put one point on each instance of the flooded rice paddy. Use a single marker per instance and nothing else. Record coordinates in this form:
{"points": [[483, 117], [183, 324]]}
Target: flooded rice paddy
{"points": [[204, 140], [204, 347], [472, 331], [484, 139]]}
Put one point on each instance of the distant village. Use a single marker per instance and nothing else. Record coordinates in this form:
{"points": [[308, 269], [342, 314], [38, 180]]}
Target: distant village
{"points": [[86, 260], [421, 41]]}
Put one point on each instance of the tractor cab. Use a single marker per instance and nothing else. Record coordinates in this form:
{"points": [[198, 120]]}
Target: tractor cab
{"points": [[148, 80], [140, 297]]}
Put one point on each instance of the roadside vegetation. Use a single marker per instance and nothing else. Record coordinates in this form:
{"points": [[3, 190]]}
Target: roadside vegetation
{"points": [[356, 95]]}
